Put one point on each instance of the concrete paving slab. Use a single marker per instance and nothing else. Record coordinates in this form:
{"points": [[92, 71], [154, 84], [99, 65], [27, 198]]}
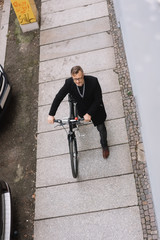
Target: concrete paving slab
{"points": [[57, 170], [91, 62], [112, 102], [4, 30], [0, 17], [5, 13], [107, 225], [75, 46], [75, 30], [3, 43], [43, 111], [71, 16], [113, 105], [48, 90], [108, 80], [81, 197], [53, 6], [55, 143]]}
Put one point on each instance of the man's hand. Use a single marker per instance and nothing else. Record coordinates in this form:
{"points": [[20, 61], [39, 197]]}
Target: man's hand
{"points": [[51, 119], [87, 117]]}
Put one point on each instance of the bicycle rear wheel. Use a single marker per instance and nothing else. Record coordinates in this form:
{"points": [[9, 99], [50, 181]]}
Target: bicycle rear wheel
{"points": [[73, 156]]}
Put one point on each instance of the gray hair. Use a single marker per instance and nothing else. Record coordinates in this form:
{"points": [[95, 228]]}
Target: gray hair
{"points": [[76, 69]]}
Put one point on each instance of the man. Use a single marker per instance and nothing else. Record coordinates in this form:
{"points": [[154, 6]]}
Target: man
{"points": [[87, 93]]}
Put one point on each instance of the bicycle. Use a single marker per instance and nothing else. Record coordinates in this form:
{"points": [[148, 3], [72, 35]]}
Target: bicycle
{"points": [[73, 121]]}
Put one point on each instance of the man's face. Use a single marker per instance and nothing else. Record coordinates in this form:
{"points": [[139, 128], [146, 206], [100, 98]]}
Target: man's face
{"points": [[78, 78]]}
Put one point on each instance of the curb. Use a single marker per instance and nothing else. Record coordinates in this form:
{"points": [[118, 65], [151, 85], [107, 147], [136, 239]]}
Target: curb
{"points": [[4, 30]]}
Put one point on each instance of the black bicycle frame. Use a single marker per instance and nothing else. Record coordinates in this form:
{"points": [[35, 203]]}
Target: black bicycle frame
{"points": [[73, 113], [73, 107]]}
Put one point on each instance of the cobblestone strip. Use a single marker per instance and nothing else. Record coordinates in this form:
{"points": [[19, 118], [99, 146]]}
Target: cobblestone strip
{"points": [[135, 140]]}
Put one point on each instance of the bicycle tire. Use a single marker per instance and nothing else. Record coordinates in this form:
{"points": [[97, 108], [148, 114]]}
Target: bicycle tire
{"points": [[73, 156]]}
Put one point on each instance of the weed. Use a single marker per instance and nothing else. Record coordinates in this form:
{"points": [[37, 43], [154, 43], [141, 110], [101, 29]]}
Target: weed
{"points": [[22, 37]]}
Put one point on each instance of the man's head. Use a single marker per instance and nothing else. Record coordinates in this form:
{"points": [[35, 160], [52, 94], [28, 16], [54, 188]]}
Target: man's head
{"points": [[77, 75]]}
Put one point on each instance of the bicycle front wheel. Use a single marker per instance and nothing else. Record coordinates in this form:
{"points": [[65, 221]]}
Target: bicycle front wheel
{"points": [[73, 156]]}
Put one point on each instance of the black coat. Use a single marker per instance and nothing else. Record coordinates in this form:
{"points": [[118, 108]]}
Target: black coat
{"points": [[91, 103]]}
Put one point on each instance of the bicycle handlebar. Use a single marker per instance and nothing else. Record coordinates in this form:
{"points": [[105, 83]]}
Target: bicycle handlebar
{"points": [[68, 120]]}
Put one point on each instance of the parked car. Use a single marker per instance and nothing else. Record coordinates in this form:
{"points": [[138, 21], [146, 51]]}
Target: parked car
{"points": [[5, 92], [5, 211]]}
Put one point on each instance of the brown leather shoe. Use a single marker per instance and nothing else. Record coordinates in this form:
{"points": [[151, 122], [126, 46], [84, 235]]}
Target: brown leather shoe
{"points": [[105, 152]]}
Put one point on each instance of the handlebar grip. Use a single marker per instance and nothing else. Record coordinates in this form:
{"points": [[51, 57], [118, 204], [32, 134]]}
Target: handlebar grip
{"points": [[57, 120], [81, 119]]}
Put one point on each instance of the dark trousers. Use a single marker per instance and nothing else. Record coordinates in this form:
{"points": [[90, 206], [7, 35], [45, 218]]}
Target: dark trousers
{"points": [[103, 135]]}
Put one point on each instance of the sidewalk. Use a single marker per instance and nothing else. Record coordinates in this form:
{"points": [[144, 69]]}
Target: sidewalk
{"points": [[102, 202]]}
